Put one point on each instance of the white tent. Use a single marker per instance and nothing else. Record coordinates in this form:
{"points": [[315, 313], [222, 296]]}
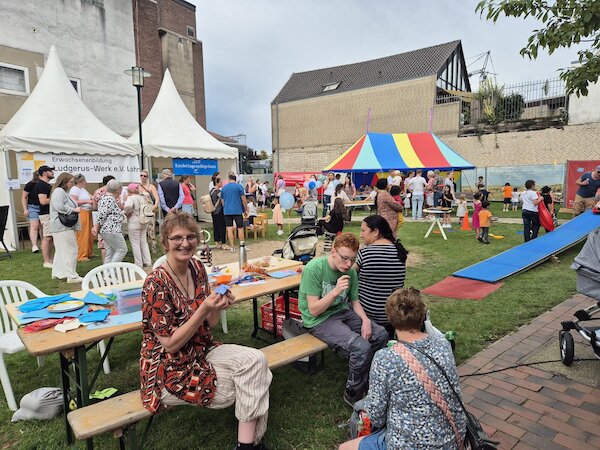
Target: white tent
{"points": [[171, 131], [54, 120]]}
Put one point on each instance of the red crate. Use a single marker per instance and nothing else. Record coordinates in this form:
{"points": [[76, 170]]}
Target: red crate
{"points": [[266, 314]]}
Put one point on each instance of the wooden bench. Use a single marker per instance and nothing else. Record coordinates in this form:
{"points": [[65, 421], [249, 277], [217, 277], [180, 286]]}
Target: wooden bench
{"points": [[120, 414]]}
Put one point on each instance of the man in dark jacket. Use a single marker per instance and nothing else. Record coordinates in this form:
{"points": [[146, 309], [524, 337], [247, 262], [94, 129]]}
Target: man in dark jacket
{"points": [[170, 193]]}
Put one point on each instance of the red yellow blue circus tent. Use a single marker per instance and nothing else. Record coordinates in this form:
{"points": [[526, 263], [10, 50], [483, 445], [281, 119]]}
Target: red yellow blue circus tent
{"points": [[380, 152]]}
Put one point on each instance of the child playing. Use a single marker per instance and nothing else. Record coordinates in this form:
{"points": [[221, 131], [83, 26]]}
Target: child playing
{"points": [[461, 208], [515, 199], [447, 199], [476, 209], [507, 192], [395, 192], [485, 220], [278, 216], [252, 213]]}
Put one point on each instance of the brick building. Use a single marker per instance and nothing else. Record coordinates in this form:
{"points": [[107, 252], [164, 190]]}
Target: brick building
{"points": [[165, 38], [320, 113]]}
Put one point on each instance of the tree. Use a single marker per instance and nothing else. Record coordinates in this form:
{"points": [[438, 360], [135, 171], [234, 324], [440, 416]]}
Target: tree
{"points": [[566, 23], [263, 155]]}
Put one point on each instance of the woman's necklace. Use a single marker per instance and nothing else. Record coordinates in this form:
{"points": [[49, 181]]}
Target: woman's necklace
{"points": [[187, 279]]}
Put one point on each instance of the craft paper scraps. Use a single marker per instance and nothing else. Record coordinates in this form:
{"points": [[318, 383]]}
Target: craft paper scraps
{"points": [[95, 316], [91, 298], [68, 325], [43, 302]]}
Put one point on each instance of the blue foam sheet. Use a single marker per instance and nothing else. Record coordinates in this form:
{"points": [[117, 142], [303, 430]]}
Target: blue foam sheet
{"points": [[530, 253]]}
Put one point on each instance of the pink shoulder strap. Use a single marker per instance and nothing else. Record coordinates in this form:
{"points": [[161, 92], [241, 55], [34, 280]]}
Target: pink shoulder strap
{"points": [[430, 387]]}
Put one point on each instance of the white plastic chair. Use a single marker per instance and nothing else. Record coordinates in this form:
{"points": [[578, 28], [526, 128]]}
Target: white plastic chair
{"points": [[12, 291], [162, 259], [108, 275]]}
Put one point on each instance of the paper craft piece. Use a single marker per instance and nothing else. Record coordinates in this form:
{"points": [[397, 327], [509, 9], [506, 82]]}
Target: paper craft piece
{"points": [[91, 298], [95, 316], [68, 325], [43, 302], [45, 314], [113, 321], [221, 289], [40, 325], [104, 393], [252, 283], [283, 273]]}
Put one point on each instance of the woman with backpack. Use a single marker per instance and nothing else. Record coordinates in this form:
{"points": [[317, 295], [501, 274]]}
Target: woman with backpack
{"points": [[218, 216], [137, 223]]}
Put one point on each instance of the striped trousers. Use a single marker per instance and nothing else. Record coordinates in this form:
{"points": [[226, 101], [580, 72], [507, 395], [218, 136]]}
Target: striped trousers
{"points": [[243, 378]]}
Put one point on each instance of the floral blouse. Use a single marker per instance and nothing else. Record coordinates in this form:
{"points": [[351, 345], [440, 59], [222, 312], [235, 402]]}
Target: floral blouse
{"points": [[185, 373], [110, 215]]}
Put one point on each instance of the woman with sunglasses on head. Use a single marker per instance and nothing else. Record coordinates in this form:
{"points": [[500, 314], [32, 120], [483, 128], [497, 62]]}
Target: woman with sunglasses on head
{"points": [[150, 194], [397, 399], [180, 363]]}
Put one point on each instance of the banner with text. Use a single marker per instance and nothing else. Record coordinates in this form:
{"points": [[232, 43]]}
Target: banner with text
{"points": [[93, 167], [182, 166]]}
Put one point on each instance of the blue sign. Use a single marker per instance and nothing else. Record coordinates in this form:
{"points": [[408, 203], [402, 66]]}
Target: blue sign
{"points": [[183, 166]]}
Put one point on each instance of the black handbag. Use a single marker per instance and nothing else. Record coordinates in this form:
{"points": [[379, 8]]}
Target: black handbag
{"points": [[475, 438], [68, 220]]}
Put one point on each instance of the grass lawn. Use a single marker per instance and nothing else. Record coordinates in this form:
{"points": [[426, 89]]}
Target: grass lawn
{"points": [[305, 410]]}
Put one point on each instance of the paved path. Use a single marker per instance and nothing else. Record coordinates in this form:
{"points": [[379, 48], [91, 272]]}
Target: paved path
{"points": [[528, 407]]}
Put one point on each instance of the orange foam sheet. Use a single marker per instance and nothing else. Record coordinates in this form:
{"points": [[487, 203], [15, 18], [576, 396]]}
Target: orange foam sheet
{"points": [[463, 288]]}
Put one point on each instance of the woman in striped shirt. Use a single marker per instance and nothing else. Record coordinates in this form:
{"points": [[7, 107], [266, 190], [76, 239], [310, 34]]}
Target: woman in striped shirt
{"points": [[381, 267]]}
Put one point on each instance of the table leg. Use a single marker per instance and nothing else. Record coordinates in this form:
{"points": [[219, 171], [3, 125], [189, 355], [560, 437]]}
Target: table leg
{"points": [[430, 228], [286, 301], [255, 316], [273, 305], [66, 385], [439, 224], [83, 388]]}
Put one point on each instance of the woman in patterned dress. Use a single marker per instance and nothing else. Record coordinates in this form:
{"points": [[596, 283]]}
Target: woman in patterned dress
{"points": [[180, 363], [397, 400]]}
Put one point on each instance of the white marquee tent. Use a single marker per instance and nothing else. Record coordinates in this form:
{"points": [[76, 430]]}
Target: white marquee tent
{"points": [[55, 120]]}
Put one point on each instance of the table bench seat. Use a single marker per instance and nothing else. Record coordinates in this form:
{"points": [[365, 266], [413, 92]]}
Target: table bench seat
{"points": [[117, 413]]}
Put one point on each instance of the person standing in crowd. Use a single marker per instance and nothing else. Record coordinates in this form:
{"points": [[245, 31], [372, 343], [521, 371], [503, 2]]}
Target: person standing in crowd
{"points": [[234, 206], [481, 188], [397, 402], [136, 230], [438, 186], [109, 223], [188, 194], [476, 210], [447, 200], [218, 217], [42, 191], [279, 186], [397, 179], [65, 242], [98, 193], [331, 311], [387, 207], [417, 187], [83, 199], [507, 191], [212, 183], [328, 191], [170, 193], [150, 194], [515, 199], [180, 363], [349, 187], [531, 219], [251, 186], [585, 197], [485, 220], [31, 210], [381, 267]]}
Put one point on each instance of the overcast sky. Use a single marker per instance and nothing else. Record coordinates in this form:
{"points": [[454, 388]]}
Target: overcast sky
{"points": [[252, 47]]}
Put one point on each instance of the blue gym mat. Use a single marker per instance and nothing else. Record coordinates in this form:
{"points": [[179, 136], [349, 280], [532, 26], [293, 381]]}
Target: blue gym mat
{"points": [[529, 254]]}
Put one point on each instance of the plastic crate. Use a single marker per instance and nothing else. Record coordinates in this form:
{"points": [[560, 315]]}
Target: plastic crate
{"points": [[266, 314]]}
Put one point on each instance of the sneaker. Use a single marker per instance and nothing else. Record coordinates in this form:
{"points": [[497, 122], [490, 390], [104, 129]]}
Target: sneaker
{"points": [[74, 280], [279, 232], [232, 249], [48, 265], [479, 238], [35, 249]]}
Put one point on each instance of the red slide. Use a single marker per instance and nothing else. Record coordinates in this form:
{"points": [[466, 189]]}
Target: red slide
{"points": [[545, 217]]}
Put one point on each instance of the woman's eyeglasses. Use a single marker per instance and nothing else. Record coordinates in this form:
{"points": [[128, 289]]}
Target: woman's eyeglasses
{"points": [[179, 239]]}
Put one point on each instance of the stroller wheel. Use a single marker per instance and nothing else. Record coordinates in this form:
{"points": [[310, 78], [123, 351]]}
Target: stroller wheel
{"points": [[567, 348]]}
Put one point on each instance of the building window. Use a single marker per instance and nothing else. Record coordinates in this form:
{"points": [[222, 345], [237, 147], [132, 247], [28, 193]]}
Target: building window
{"points": [[331, 86], [191, 32], [14, 79], [76, 83]]}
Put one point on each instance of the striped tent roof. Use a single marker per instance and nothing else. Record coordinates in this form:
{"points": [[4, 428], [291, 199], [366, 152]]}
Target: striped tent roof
{"points": [[377, 152]]}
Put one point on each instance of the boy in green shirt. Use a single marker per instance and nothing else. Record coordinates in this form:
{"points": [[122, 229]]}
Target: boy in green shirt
{"points": [[328, 301]]}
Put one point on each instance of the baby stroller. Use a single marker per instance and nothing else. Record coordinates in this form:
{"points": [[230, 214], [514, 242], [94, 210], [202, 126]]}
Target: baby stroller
{"points": [[587, 265], [301, 244]]}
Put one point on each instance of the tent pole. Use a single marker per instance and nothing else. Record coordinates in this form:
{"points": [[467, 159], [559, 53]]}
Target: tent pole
{"points": [[13, 212]]}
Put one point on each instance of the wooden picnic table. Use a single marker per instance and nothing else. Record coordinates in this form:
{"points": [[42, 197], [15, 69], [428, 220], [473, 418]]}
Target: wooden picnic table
{"points": [[73, 345]]}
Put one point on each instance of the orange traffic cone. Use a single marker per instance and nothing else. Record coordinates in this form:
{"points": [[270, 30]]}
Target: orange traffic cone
{"points": [[465, 222]]}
